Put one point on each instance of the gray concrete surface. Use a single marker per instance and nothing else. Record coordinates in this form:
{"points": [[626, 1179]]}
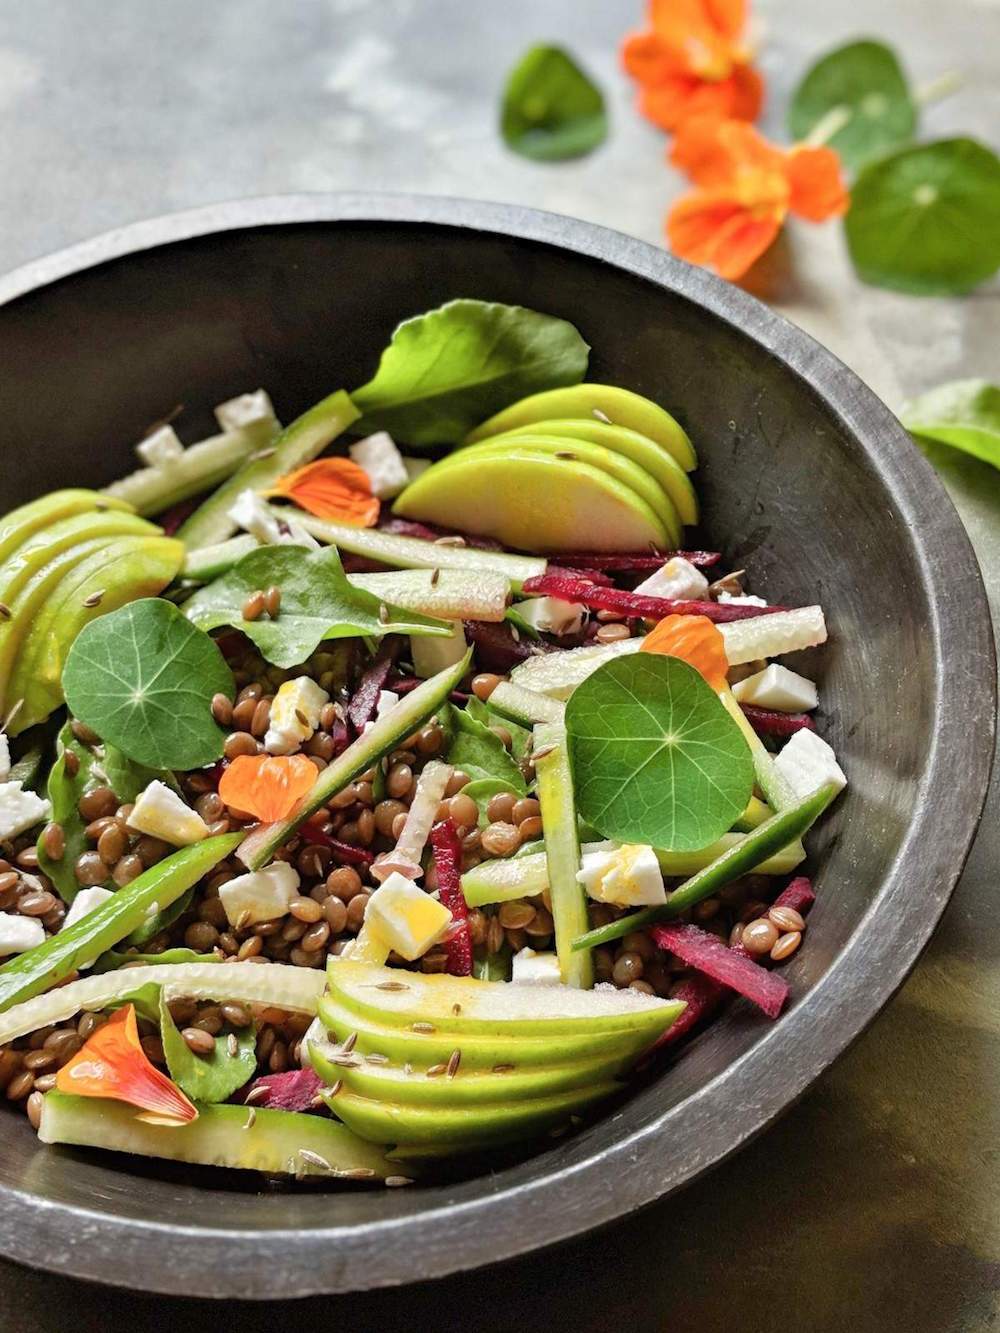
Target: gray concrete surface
{"points": [[873, 1206]]}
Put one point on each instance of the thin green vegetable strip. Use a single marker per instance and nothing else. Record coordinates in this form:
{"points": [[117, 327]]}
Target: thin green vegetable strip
{"points": [[769, 780], [775, 833], [562, 851], [43, 966]]}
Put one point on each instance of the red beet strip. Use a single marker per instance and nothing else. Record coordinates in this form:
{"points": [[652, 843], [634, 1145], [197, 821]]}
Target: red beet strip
{"points": [[767, 722], [428, 532], [364, 702], [497, 649], [632, 604], [634, 562], [593, 575], [294, 1090], [729, 967], [343, 851], [447, 848], [702, 996], [404, 684], [798, 896]]}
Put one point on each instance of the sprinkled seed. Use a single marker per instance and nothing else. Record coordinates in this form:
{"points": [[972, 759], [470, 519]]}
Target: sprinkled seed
{"points": [[95, 598], [396, 1182], [456, 1008], [251, 1119], [449, 541], [356, 1173], [601, 416], [454, 1061], [232, 1046], [423, 1027], [349, 1044], [332, 1091], [542, 753], [407, 1069], [375, 1058], [436, 1071], [5, 611], [345, 1060], [222, 709], [787, 919], [383, 613], [515, 633], [256, 1094], [565, 453], [435, 575], [253, 607], [502, 1069], [314, 1159], [243, 920], [786, 945], [392, 985]]}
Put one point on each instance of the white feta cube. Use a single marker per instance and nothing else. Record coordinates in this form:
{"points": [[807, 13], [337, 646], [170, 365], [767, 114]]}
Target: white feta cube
{"points": [[19, 933], [742, 599], [625, 874], [244, 410], [528, 968], [161, 813], [405, 917], [378, 456], [257, 517], [4, 757], [808, 763], [160, 448], [20, 810], [85, 901], [386, 699], [295, 713], [778, 688], [551, 615], [678, 579], [431, 654], [263, 895], [415, 466]]}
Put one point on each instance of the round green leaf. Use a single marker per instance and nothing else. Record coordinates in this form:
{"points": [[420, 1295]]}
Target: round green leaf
{"points": [[964, 414], [143, 678], [656, 758], [551, 109], [865, 81], [927, 219]]}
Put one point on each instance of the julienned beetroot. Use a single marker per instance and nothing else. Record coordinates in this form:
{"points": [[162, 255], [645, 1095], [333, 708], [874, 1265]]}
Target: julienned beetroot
{"points": [[632, 604], [593, 575], [429, 532], [294, 1090], [702, 996], [342, 851], [497, 649], [798, 896], [364, 701], [447, 848], [730, 967], [404, 684], [635, 562], [767, 722]]}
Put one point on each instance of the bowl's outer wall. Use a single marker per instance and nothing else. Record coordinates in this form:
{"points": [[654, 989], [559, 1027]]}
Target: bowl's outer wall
{"points": [[789, 491]]}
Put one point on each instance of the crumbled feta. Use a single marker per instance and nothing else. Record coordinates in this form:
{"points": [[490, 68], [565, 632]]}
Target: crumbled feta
{"points": [[257, 517], [551, 615], [743, 599], [85, 901], [378, 456], [677, 579], [160, 448], [405, 917], [295, 715], [20, 810], [160, 812], [4, 757], [778, 688], [415, 466], [263, 895], [386, 699], [808, 763], [529, 968], [625, 874], [244, 410], [431, 654], [18, 933]]}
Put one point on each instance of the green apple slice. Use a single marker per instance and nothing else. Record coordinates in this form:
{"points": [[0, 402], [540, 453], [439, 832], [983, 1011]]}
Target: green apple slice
{"points": [[611, 461], [602, 402], [534, 502], [17, 526]]}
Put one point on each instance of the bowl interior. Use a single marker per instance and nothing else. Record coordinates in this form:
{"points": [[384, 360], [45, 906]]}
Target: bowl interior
{"points": [[791, 492]]}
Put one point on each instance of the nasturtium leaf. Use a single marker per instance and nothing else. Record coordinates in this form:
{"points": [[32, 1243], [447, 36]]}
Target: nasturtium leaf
{"points": [[213, 1077], [479, 752], [864, 81], [964, 414], [143, 678], [926, 220], [551, 109], [317, 603], [451, 368], [656, 758]]}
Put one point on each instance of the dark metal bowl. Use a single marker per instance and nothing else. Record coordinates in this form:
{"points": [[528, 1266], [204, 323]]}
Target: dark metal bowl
{"points": [[807, 480]]}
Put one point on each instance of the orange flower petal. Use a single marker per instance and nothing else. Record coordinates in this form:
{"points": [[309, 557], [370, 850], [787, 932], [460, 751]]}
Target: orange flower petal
{"points": [[332, 488], [716, 152], [267, 786], [696, 641], [711, 228], [746, 93], [818, 189], [112, 1064], [728, 17], [649, 60], [680, 98]]}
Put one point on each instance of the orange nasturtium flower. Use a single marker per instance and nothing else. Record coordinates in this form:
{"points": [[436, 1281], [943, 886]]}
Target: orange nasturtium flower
{"points": [[111, 1063], [695, 640], [746, 187], [334, 488], [267, 786], [693, 62]]}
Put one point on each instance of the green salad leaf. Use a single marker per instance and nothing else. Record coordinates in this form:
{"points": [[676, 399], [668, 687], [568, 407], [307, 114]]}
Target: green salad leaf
{"points": [[317, 603], [146, 1000], [482, 792], [926, 220], [551, 109], [964, 414], [159, 921], [451, 368], [479, 752], [492, 966], [64, 792], [656, 758], [213, 1077], [143, 678], [125, 777], [113, 959], [520, 737], [865, 82]]}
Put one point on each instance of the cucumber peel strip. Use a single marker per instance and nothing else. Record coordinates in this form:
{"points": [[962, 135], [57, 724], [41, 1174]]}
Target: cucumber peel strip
{"points": [[562, 851]]}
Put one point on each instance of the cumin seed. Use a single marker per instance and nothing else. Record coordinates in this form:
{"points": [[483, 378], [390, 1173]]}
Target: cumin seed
{"points": [[256, 1094], [232, 1046], [564, 453], [436, 1071], [348, 1044], [301, 718], [449, 541], [95, 598], [435, 575], [383, 613], [251, 1119], [314, 1159], [543, 753], [332, 1091], [375, 1058], [397, 1182], [502, 1069], [456, 1008], [5, 611], [391, 985], [453, 1063], [356, 1173], [423, 1027], [601, 416], [515, 634]]}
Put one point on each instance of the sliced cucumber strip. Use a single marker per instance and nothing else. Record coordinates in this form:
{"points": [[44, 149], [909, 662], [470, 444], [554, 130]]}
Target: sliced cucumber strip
{"points": [[525, 706], [562, 851], [449, 594], [208, 562]]}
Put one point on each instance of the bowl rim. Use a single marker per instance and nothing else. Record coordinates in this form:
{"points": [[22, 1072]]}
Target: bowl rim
{"points": [[500, 1223]]}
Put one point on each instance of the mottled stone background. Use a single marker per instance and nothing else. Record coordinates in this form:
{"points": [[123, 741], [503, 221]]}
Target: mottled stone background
{"points": [[875, 1206]]}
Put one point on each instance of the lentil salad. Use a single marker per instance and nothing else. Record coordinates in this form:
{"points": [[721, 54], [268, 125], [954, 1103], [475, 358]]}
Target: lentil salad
{"points": [[337, 838]]}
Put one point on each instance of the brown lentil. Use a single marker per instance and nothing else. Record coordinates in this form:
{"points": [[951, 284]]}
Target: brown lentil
{"points": [[526, 808], [494, 935], [243, 713], [236, 1015], [736, 935], [399, 781], [456, 782], [530, 828], [335, 913], [250, 948], [463, 811], [503, 736], [386, 814], [315, 937], [612, 632], [261, 719], [628, 968], [128, 868], [198, 1041], [112, 843], [84, 734], [786, 918], [27, 859], [356, 911], [253, 607], [239, 743], [97, 803], [516, 914], [152, 1048], [90, 870], [501, 839], [39, 1061], [431, 740], [37, 903], [786, 945], [484, 685], [71, 763], [706, 909], [54, 841], [541, 924], [272, 601], [34, 1109], [222, 710], [759, 936], [20, 1085]]}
